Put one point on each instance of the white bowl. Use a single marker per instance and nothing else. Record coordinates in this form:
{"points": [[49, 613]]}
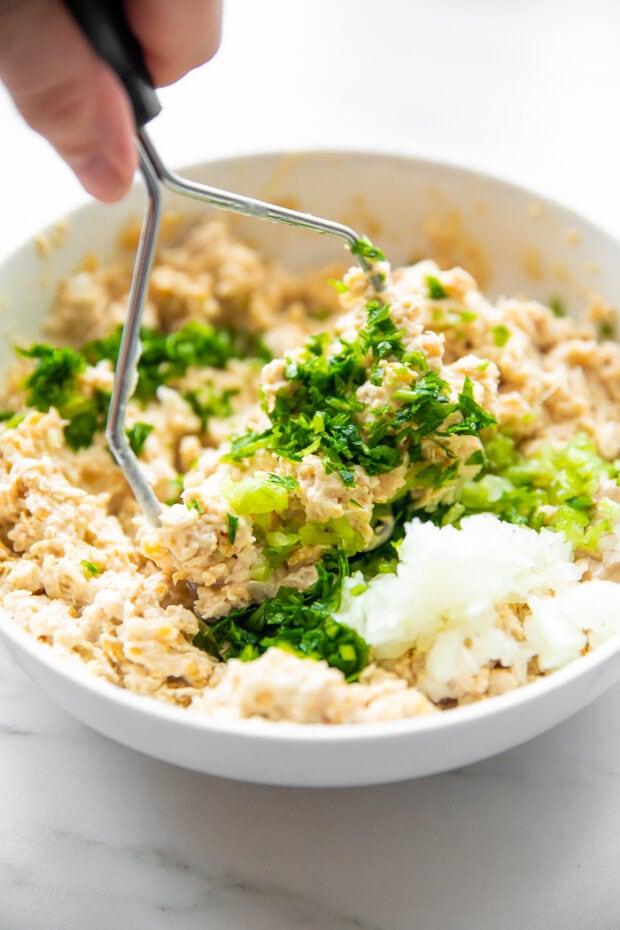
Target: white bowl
{"points": [[527, 245]]}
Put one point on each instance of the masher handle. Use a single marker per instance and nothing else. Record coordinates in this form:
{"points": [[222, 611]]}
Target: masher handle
{"points": [[105, 25]]}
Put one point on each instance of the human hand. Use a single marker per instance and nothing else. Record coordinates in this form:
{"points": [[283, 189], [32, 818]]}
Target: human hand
{"points": [[69, 95]]}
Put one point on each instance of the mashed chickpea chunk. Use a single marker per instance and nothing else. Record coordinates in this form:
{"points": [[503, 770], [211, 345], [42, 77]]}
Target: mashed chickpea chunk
{"points": [[380, 503]]}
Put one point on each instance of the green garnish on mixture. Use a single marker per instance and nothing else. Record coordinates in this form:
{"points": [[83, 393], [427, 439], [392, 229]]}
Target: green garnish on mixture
{"points": [[501, 334], [206, 402], [364, 248], [55, 379], [369, 254], [138, 434], [54, 383], [166, 357], [296, 621], [553, 488], [318, 411], [436, 290], [233, 523]]}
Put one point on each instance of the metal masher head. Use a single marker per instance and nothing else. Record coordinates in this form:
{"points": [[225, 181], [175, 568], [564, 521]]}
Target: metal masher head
{"points": [[106, 27]]}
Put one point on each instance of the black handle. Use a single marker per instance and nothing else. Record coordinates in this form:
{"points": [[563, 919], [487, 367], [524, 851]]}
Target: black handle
{"points": [[105, 25]]}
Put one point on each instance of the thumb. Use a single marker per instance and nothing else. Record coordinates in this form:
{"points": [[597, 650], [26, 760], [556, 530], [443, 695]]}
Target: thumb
{"points": [[68, 94]]}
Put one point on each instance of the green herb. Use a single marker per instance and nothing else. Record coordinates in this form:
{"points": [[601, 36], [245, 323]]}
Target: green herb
{"points": [[6, 415], [300, 622], [474, 418], [207, 403], [605, 331], [285, 481], [54, 383], [501, 334], [194, 504], [556, 305], [364, 249], [338, 286], [233, 523], [436, 290], [416, 360], [383, 559], [167, 356], [176, 485], [91, 569], [477, 458], [369, 254], [318, 409], [54, 380], [137, 436]]}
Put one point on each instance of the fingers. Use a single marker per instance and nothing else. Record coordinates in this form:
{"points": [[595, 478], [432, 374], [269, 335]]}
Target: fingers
{"points": [[71, 97], [67, 94], [175, 37]]}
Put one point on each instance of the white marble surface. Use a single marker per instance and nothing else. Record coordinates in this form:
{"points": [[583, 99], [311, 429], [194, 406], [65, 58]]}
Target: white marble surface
{"points": [[94, 836]]}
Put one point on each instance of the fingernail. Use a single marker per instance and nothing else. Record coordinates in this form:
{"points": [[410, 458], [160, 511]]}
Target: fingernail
{"points": [[101, 178]]}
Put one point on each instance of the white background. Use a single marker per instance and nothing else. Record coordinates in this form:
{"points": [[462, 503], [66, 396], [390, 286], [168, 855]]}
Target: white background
{"points": [[94, 836]]}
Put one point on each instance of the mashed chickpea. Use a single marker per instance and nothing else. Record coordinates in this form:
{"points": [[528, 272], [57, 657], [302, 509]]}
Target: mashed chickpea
{"points": [[275, 450]]}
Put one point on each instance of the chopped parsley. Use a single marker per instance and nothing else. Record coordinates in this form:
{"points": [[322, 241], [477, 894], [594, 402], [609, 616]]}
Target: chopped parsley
{"points": [[556, 305], [176, 485], [318, 411], [436, 290], [300, 622], [193, 503], [233, 524], [285, 481], [55, 378], [206, 402], [137, 436], [90, 569], [501, 334], [364, 248], [54, 382], [167, 356], [368, 255]]}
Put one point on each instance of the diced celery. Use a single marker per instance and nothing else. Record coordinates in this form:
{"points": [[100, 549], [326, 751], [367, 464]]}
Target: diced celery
{"points": [[281, 540], [255, 495]]}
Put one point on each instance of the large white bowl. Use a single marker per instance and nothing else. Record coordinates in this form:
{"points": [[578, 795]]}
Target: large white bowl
{"points": [[527, 245]]}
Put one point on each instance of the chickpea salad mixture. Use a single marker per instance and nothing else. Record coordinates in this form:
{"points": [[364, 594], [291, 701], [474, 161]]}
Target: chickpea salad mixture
{"points": [[377, 505]]}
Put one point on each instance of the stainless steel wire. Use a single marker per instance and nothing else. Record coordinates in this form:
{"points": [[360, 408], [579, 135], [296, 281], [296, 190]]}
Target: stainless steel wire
{"points": [[155, 173], [126, 374]]}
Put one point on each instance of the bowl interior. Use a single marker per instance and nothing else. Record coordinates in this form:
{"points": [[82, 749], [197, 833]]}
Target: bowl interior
{"points": [[515, 242]]}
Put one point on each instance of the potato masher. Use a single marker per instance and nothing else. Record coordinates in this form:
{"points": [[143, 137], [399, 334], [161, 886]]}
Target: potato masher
{"points": [[105, 25]]}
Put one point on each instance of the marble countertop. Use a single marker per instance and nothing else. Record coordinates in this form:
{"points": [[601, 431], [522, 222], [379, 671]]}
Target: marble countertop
{"points": [[96, 836]]}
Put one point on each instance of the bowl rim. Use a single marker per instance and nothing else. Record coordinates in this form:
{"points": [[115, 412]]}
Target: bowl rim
{"points": [[443, 164], [259, 728], [150, 706]]}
